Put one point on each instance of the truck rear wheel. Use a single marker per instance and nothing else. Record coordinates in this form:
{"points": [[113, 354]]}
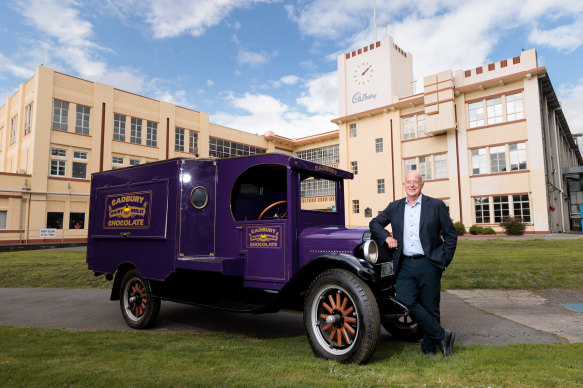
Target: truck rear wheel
{"points": [[138, 307], [341, 317]]}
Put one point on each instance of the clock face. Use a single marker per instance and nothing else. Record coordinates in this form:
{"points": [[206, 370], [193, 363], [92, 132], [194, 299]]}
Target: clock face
{"points": [[363, 73]]}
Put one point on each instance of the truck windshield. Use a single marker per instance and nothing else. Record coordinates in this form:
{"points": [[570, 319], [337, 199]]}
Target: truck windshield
{"points": [[318, 193]]}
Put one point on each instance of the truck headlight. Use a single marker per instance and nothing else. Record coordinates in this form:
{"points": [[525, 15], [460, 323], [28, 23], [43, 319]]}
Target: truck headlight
{"points": [[370, 251]]}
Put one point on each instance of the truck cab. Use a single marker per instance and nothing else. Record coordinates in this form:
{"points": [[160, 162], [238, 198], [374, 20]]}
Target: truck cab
{"points": [[244, 234]]}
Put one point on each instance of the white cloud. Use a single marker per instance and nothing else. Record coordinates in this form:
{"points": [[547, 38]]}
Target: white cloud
{"points": [[261, 113], [322, 95], [571, 98], [250, 58], [171, 18], [289, 79], [566, 38], [8, 66], [209, 82]]}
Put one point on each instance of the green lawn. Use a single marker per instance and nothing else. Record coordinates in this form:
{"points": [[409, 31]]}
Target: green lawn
{"points": [[58, 358], [49, 358]]}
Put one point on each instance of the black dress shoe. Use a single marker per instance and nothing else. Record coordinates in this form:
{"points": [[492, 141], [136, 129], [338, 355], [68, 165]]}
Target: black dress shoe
{"points": [[446, 344]]}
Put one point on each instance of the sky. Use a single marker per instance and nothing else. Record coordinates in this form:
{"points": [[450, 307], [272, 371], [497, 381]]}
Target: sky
{"points": [[270, 65]]}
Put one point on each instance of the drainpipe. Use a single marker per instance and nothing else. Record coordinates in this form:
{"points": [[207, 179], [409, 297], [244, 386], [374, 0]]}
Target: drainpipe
{"points": [[561, 192]]}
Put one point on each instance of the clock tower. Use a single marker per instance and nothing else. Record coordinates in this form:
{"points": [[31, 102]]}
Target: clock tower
{"points": [[373, 76]]}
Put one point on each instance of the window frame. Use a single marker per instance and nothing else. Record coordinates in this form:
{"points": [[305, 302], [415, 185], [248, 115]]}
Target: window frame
{"points": [[119, 127], [82, 119], [62, 114]]}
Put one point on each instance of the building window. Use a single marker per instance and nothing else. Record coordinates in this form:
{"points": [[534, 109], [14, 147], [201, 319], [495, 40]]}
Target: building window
{"points": [[136, 131], [60, 115], [517, 156], [413, 126], [322, 155], [420, 125], [368, 212], [55, 220], [476, 114], [82, 121], [482, 209], [179, 139], [378, 145], [193, 142], [79, 170], [59, 152], [425, 167], [119, 127], [479, 161], [219, 148], [514, 107], [76, 220], [80, 155], [13, 129], [352, 130], [355, 206], [380, 186], [28, 119], [117, 162], [57, 167], [498, 159], [410, 165], [440, 166], [354, 167], [501, 209], [152, 134], [3, 219], [313, 187], [494, 110], [134, 162], [521, 206]]}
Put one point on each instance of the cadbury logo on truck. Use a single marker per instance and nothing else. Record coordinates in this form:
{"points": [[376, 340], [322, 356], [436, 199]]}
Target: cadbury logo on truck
{"points": [[128, 210]]}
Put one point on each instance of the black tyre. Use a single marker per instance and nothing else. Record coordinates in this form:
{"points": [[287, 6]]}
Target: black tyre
{"points": [[403, 328], [138, 307], [341, 317]]}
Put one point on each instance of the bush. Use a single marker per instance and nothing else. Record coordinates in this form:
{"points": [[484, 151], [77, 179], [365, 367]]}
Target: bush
{"points": [[474, 229], [488, 230], [459, 228], [513, 226]]}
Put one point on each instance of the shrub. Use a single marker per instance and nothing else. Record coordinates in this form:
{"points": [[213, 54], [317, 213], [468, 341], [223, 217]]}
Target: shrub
{"points": [[474, 229], [513, 226], [488, 230], [459, 228]]}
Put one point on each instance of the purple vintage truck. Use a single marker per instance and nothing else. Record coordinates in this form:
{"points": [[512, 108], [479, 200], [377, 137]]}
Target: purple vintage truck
{"points": [[234, 234]]}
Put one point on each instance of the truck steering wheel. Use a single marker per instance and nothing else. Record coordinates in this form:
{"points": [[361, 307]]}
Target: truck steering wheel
{"points": [[273, 205]]}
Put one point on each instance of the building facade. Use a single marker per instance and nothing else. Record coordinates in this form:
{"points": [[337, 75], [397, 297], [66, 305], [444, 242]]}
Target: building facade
{"points": [[491, 141]]}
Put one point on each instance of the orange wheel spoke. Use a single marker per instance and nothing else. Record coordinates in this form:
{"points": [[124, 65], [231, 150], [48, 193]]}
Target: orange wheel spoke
{"points": [[344, 304], [349, 319], [331, 301], [339, 337], [345, 335], [326, 327], [349, 328], [347, 312], [332, 334], [338, 300], [328, 308], [324, 316]]}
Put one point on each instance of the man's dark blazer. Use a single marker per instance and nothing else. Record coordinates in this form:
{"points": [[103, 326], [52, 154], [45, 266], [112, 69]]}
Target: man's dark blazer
{"points": [[434, 221]]}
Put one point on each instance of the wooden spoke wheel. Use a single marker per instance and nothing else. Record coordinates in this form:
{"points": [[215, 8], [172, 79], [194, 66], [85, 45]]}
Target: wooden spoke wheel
{"points": [[341, 317], [138, 307]]}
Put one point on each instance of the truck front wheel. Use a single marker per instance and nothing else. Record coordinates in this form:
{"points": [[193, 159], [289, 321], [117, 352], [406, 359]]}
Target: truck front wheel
{"points": [[341, 317], [138, 307]]}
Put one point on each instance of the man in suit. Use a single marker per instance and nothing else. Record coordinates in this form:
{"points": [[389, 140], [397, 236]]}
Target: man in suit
{"points": [[420, 256]]}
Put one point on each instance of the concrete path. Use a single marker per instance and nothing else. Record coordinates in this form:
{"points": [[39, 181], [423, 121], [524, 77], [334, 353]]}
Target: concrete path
{"points": [[478, 317]]}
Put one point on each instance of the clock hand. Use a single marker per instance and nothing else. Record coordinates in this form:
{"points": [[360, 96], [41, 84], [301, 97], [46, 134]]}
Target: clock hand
{"points": [[365, 70]]}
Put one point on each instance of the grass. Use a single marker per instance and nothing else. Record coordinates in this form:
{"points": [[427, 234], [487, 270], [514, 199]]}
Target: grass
{"points": [[528, 264], [47, 358]]}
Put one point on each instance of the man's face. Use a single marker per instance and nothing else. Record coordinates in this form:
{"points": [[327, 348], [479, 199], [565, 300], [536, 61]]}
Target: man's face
{"points": [[413, 184]]}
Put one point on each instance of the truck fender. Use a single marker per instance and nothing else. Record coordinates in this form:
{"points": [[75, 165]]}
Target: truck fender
{"points": [[120, 272], [292, 294]]}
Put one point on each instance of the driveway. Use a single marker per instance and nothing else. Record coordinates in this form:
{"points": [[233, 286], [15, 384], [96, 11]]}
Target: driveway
{"points": [[475, 316]]}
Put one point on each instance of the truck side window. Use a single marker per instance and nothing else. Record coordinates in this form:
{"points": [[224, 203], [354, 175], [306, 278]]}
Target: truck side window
{"points": [[256, 189], [199, 197]]}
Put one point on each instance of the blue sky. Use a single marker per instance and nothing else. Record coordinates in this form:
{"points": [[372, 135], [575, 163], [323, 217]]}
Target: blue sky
{"points": [[268, 65]]}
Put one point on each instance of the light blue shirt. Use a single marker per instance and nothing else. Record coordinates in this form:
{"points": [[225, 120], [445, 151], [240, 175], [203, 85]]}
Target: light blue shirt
{"points": [[411, 241]]}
